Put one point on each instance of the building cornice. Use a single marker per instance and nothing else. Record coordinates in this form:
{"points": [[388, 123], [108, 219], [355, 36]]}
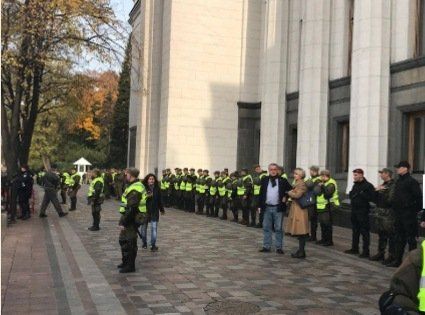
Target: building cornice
{"points": [[407, 64], [256, 105]]}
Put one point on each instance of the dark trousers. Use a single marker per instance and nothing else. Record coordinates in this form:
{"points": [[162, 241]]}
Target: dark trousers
{"points": [[63, 195], [326, 226], [406, 231], [254, 208], [384, 239], [95, 212], [224, 206], [312, 216], [360, 226], [246, 208], [200, 201], [235, 208], [210, 205], [189, 201], [24, 205], [217, 205], [128, 252], [50, 196]]}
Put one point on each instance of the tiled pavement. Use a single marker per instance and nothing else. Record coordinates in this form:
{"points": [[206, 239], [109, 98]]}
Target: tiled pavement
{"points": [[56, 266]]}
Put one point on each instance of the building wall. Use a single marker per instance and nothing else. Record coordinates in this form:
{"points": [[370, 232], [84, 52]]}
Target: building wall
{"points": [[311, 66]]}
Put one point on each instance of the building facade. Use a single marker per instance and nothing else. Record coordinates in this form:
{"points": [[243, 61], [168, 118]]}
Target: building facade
{"points": [[334, 83]]}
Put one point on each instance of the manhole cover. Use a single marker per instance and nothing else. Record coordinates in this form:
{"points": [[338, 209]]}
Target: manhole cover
{"points": [[231, 307]]}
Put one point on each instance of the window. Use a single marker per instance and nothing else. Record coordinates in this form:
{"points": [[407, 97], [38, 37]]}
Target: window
{"points": [[343, 145], [81, 167], [420, 28], [132, 147], [416, 141], [292, 163]]}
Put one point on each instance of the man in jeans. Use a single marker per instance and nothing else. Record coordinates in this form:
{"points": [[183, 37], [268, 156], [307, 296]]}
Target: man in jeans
{"points": [[272, 203]]}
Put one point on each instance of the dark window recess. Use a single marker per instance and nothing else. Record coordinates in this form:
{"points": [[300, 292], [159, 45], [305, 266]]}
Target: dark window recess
{"points": [[420, 29], [342, 147], [416, 141], [292, 154], [132, 147], [350, 35], [249, 120]]}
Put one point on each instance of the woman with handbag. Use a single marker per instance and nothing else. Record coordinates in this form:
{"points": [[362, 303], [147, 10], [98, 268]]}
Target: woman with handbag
{"points": [[154, 206], [298, 217]]}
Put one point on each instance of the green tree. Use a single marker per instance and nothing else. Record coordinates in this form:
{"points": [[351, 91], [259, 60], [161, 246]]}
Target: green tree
{"points": [[119, 135]]}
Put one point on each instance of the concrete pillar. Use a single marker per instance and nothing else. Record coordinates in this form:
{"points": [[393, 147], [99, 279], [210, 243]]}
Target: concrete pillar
{"points": [[370, 88], [340, 25], [274, 81], [314, 77], [403, 18]]}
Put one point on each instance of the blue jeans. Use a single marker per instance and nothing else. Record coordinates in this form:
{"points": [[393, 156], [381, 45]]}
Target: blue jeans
{"points": [[272, 218], [144, 232]]}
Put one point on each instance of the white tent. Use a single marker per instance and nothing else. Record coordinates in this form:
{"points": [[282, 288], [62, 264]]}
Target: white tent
{"points": [[82, 166]]}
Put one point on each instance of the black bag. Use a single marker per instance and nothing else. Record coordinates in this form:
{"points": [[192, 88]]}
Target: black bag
{"points": [[307, 200]]}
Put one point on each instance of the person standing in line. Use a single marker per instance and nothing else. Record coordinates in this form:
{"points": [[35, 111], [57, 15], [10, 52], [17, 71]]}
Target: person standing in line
{"points": [[272, 201], [154, 206], [73, 189], [313, 185], [256, 186], [360, 196], [51, 184], [384, 217], [95, 198], [298, 217], [406, 202]]}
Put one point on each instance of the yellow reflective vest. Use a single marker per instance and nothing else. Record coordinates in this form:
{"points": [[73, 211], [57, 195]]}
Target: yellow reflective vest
{"points": [[137, 186], [421, 294], [321, 201], [93, 183]]}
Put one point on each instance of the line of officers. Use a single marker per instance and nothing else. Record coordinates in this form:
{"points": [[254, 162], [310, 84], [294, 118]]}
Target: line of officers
{"points": [[240, 192]]}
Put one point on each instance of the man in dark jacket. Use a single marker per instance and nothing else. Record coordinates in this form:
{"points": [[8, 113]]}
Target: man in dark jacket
{"points": [[272, 202], [406, 201], [360, 196], [95, 198], [73, 188], [24, 192], [384, 217], [51, 184]]}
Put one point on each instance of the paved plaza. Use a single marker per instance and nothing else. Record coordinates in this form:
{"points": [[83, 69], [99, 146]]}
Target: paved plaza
{"points": [[204, 265]]}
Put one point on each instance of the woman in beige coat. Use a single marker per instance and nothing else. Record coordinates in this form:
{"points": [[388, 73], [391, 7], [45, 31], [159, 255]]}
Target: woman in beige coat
{"points": [[298, 217]]}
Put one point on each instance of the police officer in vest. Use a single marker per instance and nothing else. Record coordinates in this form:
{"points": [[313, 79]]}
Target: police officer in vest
{"points": [[173, 191], [244, 194], [256, 182], [326, 203], [133, 213], [224, 192], [234, 177], [73, 189], [95, 198], [212, 198], [163, 186], [200, 192], [65, 182], [190, 189], [178, 192], [183, 180], [313, 185]]}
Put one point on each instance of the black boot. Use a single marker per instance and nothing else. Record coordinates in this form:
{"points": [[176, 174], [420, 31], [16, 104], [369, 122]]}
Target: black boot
{"points": [[378, 257]]}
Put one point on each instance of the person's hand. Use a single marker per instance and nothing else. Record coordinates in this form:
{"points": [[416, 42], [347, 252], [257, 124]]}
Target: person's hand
{"points": [[162, 212], [259, 210], [284, 199], [121, 228], [423, 224], [244, 197]]}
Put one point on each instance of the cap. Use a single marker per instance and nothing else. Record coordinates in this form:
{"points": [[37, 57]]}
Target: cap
{"points": [[358, 171], [386, 170], [192, 169], [325, 173], [133, 172], [217, 172], [314, 168], [206, 171], [255, 166], [199, 169], [185, 169], [402, 164]]}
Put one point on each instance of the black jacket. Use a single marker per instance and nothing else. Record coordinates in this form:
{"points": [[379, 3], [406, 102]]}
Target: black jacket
{"points": [[407, 194], [360, 195], [284, 187], [25, 184], [154, 204], [51, 181]]}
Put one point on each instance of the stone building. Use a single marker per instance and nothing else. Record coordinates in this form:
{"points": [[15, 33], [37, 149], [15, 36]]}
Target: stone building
{"points": [[229, 83]]}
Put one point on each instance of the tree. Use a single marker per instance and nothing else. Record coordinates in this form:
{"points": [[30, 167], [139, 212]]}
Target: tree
{"points": [[119, 136], [41, 41]]}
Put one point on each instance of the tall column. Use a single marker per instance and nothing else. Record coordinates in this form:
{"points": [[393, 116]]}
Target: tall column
{"points": [[274, 81], [370, 88], [314, 77]]}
